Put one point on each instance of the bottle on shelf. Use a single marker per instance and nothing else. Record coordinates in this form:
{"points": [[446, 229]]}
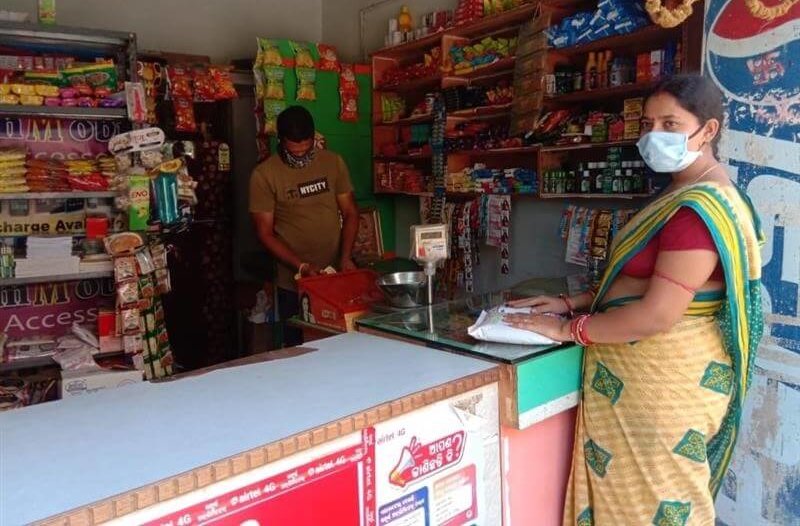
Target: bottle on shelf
{"points": [[627, 182], [606, 68], [586, 182], [616, 184], [571, 179], [608, 179], [678, 58], [599, 175], [590, 78]]}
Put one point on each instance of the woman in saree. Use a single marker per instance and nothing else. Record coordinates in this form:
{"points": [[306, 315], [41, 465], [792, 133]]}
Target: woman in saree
{"points": [[671, 332]]}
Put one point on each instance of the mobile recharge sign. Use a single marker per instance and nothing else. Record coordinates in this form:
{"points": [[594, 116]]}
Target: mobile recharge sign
{"points": [[51, 308], [437, 466]]}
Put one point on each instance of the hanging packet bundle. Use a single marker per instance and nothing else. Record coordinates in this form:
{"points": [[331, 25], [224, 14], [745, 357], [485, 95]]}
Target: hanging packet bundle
{"points": [[328, 58], [273, 87], [305, 70], [223, 84], [180, 82], [268, 53], [348, 94]]}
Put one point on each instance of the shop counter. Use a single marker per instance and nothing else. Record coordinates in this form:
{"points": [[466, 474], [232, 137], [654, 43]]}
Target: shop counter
{"points": [[539, 391], [352, 429]]}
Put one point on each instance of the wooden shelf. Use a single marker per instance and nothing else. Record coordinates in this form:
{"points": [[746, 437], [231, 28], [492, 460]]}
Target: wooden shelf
{"points": [[406, 194], [390, 158], [482, 112], [480, 27], [407, 121], [425, 83], [420, 45], [587, 146], [595, 196], [499, 67], [497, 151], [493, 23], [601, 94], [644, 38]]}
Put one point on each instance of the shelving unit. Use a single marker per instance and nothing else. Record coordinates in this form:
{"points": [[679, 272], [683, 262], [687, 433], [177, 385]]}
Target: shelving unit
{"points": [[539, 157], [87, 44]]}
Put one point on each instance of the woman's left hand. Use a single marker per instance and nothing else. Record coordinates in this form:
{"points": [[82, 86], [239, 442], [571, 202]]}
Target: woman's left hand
{"points": [[549, 326]]}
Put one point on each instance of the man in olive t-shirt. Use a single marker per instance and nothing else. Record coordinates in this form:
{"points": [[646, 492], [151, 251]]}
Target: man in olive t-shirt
{"points": [[295, 201]]}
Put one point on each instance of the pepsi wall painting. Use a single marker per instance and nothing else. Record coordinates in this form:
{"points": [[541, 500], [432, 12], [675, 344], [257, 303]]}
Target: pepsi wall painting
{"points": [[753, 54]]}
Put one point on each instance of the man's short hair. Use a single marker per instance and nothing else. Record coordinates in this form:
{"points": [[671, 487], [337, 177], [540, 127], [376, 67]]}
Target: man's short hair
{"points": [[295, 124]]}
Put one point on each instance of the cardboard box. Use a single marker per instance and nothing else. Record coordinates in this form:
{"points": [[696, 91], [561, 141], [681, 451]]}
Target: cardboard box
{"points": [[76, 383]]}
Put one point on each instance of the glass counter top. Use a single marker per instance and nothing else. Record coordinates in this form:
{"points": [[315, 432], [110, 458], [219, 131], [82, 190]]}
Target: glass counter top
{"points": [[451, 319]]}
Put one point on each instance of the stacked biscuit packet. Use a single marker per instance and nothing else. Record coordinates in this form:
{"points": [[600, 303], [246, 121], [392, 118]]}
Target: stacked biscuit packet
{"points": [[12, 170]]}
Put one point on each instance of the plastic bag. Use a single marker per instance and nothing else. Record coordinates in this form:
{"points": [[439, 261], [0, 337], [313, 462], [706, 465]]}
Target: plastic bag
{"points": [[490, 327]]}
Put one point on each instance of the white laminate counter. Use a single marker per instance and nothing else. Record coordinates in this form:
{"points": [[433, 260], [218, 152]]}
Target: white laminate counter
{"points": [[59, 456]]}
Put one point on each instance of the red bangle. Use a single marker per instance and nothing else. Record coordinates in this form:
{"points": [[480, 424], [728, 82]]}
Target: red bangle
{"points": [[578, 330]]}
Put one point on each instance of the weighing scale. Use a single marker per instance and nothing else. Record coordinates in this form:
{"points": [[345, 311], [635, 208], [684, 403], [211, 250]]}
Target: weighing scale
{"points": [[429, 246]]}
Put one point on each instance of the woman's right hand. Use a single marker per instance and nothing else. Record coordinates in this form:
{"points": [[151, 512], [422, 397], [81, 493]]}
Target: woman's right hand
{"points": [[542, 304]]}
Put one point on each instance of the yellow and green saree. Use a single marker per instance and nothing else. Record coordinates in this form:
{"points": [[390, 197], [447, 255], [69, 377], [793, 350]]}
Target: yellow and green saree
{"points": [[659, 418]]}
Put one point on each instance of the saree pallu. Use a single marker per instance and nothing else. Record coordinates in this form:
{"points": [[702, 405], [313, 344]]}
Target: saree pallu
{"points": [[659, 418]]}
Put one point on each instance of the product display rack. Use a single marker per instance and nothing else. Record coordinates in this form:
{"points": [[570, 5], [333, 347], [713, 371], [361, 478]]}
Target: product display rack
{"points": [[120, 46], [539, 157]]}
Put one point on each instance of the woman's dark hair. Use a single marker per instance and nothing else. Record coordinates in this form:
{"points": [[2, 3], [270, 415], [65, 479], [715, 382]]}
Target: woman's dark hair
{"points": [[698, 95], [295, 124]]}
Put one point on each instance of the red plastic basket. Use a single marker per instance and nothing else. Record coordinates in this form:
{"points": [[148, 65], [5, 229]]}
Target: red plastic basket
{"points": [[337, 300]]}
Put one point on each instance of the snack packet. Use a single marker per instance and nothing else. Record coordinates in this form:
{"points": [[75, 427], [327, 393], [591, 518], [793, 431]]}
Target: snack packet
{"points": [[204, 90], [348, 94], [302, 55], [180, 82], [268, 53], [139, 211], [273, 88], [101, 75], [223, 84], [328, 59], [306, 88], [272, 109], [184, 115]]}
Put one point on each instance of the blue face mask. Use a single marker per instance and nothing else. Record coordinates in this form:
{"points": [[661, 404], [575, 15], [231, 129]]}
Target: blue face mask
{"points": [[666, 152]]}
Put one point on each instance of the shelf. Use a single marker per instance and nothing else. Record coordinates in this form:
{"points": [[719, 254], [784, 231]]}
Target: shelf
{"points": [[64, 112], [413, 85], [587, 146], [57, 195], [390, 158], [406, 194], [9, 282], [595, 196], [497, 151], [480, 27], [45, 361], [498, 67], [602, 94], [73, 36], [407, 121], [641, 39], [482, 112], [456, 195], [493, 23]]}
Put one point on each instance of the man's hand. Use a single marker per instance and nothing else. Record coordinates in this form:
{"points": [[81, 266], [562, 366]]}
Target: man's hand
{"points": [[308, 270], [347, 264]]}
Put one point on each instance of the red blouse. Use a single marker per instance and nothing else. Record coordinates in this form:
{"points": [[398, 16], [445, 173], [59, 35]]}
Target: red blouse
{"points": [[684, 231]]}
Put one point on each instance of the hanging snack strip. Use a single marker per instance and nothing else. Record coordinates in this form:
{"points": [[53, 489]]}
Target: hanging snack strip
{"points": [[269, 74], [182, 95], [305, 69], [439, 160], [348, 94]]}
